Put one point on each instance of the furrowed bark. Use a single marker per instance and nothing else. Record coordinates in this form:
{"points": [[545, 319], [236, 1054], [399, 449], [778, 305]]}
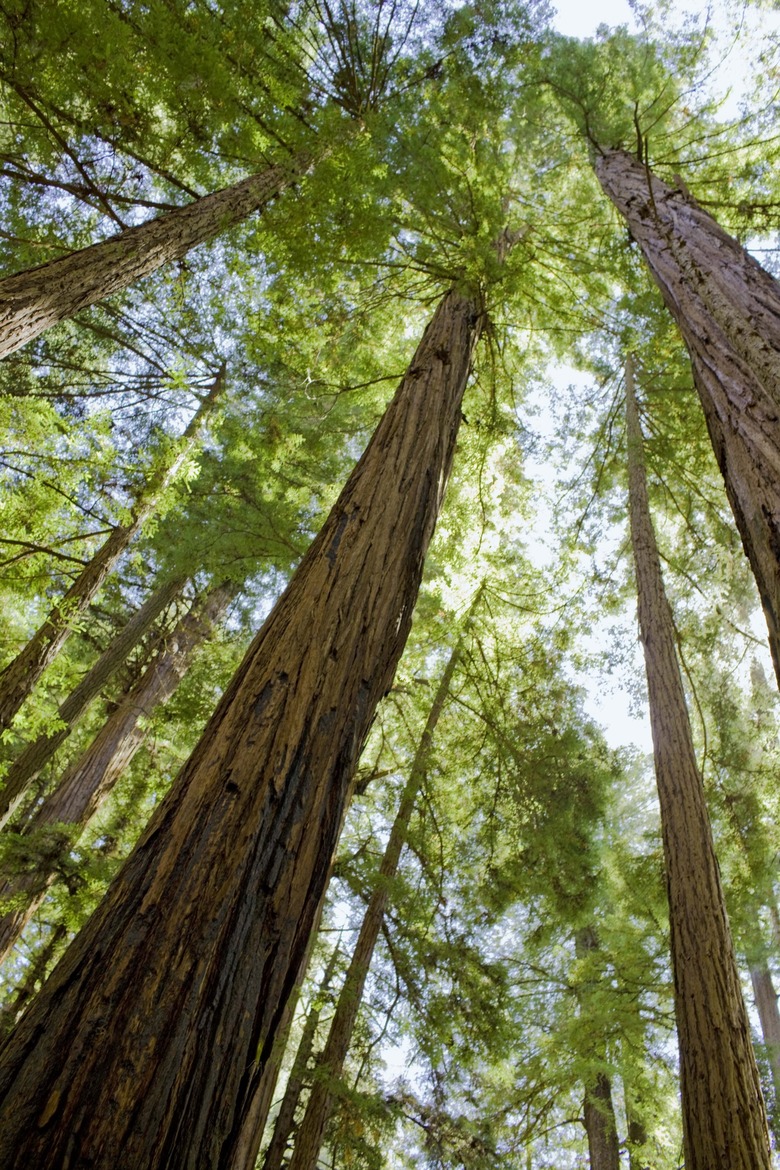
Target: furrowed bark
{"points": [[330, 1063], [20, 675], [27, 766], [189, 962], [88, 782], [34, 300], [598, 1109], [284, 1125], [727, 309], [724, 1121]]}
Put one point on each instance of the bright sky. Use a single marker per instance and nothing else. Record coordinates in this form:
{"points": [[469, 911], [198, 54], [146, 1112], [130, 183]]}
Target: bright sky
{"points": [[578, 18]]}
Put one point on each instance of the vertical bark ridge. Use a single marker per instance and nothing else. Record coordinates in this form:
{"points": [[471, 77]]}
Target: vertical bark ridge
{"points": [[330, 1062], [34, 300], [724, 1121], [189, 961], [727, 309], [19, 677], [88, 782], [28, 765]]}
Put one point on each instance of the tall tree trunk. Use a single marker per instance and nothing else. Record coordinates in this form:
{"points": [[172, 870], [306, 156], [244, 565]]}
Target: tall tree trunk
{"points": [[34, 300], [284, 1125], [330, 1063], [28, 765], [724, 1121], [765, 998], [728, 311], [598, 1109], [34, 975], [20, 676], [88, 782], [189, 961]]}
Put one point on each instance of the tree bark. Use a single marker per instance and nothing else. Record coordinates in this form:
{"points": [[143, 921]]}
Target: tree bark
{"points": [[765, 998], [88, 782], [598, 1109], [20, 676], [330, 1063], [728, 311], [724, 1121], [28, 765], [34, 300], [189, 961], [284, 1126]]}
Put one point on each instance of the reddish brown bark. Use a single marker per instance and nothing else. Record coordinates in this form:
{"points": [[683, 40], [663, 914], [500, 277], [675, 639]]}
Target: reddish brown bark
{"points": [[20, 676], [88, 782], [724, 1121], [728, 311], [34, 300], [154, 1032], [330, 1063], [27, 766]]}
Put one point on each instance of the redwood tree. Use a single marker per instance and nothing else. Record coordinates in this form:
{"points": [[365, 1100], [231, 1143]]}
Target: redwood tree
{"points": [[22, 673], [724, 1121], [34, 300], [330, 1063], [728, 311], [89, 780], [189, 962]]}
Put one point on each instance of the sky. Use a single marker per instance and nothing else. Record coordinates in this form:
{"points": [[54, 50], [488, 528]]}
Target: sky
{"points": [[578, 18]]}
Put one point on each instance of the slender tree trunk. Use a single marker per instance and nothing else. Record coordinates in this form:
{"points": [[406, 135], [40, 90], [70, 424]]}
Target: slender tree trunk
{"points": [[728, 311], [765, 998], [724, 1121], [28, 765], [189, 961], [88, 782], [284, 1126], [35, 974], [637, 1138], [598, 1109], [20, 676], [330, 1063], [34, 300]]}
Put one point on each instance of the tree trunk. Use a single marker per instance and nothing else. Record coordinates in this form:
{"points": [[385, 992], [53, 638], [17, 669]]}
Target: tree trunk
{"points": [[728, 311], [284, 1126], [190, 959], [20, 676], [598, 1109], [28, 765], [34, 300], [766, 1004], [330, 1063], [88, 782], [724, 1121], [35, 974], [637, 1139]]}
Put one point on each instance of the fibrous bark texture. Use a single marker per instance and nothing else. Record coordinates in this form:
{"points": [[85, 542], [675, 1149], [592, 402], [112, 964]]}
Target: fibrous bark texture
{"points": [[88, 782], [330, 1063], [153, 1034], [728, 311], [34, 300], [724, 1121], [27, 766], [20, 676]]}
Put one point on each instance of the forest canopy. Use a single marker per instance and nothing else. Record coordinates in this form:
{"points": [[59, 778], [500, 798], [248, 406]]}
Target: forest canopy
{"points": [[390, 584]]}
